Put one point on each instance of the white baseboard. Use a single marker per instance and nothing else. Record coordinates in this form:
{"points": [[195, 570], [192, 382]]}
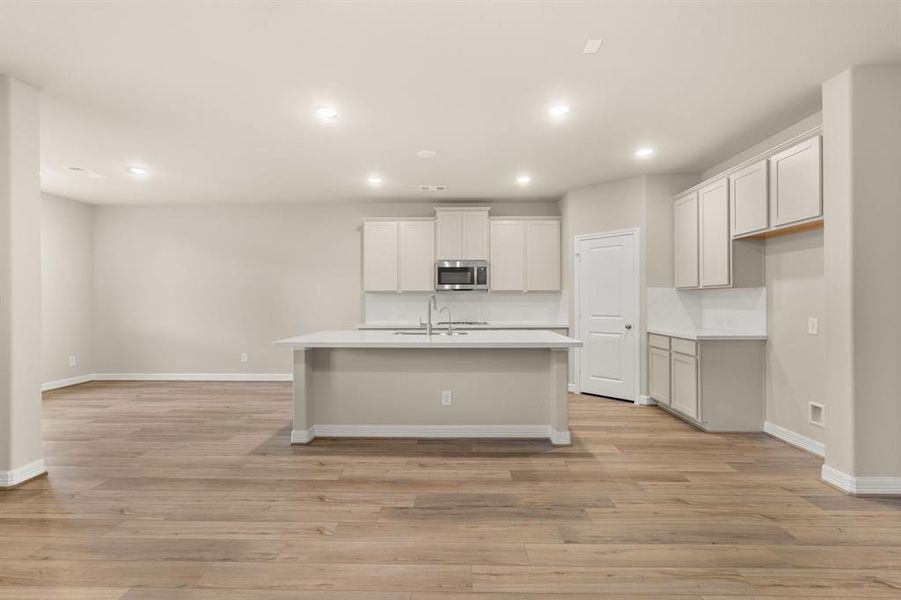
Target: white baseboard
{"points": [[61, 383], [23, 473], [645, 400], [433, 431], [572, 388], [193, 377], [862, 486], [795, 439]]}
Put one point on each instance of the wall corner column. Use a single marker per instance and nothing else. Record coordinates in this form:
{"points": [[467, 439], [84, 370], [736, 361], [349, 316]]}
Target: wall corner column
{"points": [[862, 203], [21, 455]]}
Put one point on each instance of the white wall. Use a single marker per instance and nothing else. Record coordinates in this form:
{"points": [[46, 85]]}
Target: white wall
{"points": [[188, 288], [67, 279], [795, 360]]}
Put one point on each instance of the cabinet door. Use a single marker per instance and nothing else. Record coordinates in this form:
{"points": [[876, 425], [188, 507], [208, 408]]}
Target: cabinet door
{"points": [[475, 235], [685, 236], [417, 256], [658, 375], [795, 183], [684, 388], [449, 244], [715, 241], [748, 199], [380, 256], [542, 255], [507, 249]]}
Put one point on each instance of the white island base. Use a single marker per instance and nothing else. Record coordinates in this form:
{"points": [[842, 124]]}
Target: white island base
{"points": [[377, 384]]}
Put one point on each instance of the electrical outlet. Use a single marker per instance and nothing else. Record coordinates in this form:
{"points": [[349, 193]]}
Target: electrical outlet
{"points": [[813, 326], [72, 361], [243, 357], [447, 397]]}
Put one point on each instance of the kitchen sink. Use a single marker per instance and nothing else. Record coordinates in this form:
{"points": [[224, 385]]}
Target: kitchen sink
{"points": [[433, 333]]}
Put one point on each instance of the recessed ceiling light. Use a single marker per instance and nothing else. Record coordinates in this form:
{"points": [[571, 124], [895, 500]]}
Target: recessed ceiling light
{"points": [[558, 111], [644, 152], [326, 113], [523, 180], [592, 46], [426, 154], [375, 180], [138, 170]]}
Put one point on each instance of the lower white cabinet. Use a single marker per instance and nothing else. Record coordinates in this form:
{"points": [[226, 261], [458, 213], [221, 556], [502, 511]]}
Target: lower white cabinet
{"points": [[399, 256], [684, 372], [716, 385], [659, 375]]}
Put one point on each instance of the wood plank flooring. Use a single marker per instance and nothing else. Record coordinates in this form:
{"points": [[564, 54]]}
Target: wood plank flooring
{"points": [[190, 491]]}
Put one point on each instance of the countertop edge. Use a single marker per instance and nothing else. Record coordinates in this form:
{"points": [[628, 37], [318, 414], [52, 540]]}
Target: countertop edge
{"points": [[708, 336]]}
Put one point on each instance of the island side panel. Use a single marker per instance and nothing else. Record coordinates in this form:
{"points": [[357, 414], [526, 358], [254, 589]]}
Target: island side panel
{"points": [[559, 396], [303, 430], [390, 392]]}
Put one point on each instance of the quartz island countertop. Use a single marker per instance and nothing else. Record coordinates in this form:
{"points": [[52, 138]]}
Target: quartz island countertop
{"points": [[358, 338]]}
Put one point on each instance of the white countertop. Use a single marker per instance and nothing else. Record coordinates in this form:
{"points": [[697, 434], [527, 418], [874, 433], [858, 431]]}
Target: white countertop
{"points": [[489, 325], [388, 339], [707, 334]]}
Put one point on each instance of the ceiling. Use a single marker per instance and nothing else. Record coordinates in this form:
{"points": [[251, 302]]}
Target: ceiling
{"points": [[216, 98]]}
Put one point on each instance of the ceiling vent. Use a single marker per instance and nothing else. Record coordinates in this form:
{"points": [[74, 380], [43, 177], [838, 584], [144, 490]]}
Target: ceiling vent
{"points": [[432, 188]]}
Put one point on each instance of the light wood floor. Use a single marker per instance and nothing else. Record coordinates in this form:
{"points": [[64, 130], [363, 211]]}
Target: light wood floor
{"points": [[171, 491]]}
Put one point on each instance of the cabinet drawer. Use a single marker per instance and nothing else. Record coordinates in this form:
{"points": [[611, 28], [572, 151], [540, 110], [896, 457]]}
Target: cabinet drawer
{"points": [[658, 341], [684, 346]]}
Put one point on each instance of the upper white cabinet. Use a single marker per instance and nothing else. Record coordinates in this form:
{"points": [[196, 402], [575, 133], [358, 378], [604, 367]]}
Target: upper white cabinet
{"points": [[461, 233], [748, 199], [796, 183], [380, 267], [714, 240], [417, 256], [525, 255], [507, 271], [685, 221], [398, 256], [542, 255]]}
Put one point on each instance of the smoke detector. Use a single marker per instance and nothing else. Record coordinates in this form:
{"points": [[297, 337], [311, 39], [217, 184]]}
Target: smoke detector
{"points": [[432, 188]]}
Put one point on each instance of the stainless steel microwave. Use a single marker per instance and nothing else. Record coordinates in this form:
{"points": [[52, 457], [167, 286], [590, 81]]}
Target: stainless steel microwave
{"points": [[461, 275]]}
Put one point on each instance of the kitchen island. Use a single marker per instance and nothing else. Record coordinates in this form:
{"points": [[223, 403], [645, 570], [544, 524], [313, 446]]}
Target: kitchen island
{"points": [[496, 384]]}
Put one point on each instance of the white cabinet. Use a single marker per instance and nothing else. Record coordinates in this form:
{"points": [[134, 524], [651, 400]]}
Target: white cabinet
{"points": [[684, 386], [417, 256], [685, 236], [796, 183], [461, 233], [525, 255], [380, 256], [658, 375], [714, 239], [398, 256], [542, 255], [717, 385], [506, 271], [748, 199]]}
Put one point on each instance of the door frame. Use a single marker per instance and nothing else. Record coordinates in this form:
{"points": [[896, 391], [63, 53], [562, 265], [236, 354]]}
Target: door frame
{"points": [[635, 232]]}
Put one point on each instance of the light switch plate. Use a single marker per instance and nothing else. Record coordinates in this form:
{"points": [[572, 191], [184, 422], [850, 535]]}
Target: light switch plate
{"points": [[72, 361], [813, 326]]}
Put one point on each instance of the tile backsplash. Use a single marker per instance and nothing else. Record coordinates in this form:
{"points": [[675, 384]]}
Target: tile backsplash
{"points": [[728, 309], [536, 307]]}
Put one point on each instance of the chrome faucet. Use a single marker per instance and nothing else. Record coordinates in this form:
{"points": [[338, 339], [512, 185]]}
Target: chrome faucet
{"points": [[433, 304]]}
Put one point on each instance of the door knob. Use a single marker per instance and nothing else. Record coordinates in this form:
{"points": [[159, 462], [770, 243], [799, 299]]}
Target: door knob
{"points": [[628, 325]]}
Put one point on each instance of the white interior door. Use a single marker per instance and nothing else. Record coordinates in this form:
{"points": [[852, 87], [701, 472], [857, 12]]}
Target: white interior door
{"points": [[608, 315]]}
